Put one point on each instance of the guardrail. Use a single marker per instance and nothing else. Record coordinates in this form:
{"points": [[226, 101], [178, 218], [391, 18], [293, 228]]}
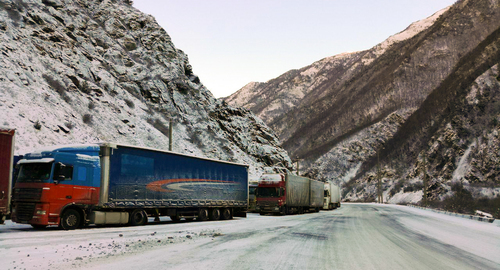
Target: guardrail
{"points": [[473, 217]]}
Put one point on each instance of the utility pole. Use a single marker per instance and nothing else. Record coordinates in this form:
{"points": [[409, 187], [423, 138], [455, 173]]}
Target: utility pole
{"points": [[297, 162], [379, 184], [425, 181], [170, 133], [379, 176]]}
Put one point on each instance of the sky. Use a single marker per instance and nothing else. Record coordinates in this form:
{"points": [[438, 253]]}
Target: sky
{"points": [[233, 42]]}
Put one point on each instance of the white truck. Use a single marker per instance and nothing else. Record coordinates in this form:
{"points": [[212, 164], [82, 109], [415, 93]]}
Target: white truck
{"points": [[332, 196]]}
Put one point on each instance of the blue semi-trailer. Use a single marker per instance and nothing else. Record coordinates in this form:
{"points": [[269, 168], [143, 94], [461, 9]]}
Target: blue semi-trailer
{"points": [[78, 185]]}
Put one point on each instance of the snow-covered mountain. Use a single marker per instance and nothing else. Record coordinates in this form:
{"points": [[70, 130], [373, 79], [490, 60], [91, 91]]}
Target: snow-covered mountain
{"points": [[87, 71], [430, 90]]}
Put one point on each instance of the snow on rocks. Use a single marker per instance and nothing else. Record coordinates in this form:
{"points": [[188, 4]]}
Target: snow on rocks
{"points": [[86, 71]]}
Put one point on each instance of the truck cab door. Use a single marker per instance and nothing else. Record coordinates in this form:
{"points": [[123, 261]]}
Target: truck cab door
{"points": [[83, 192], [63, 180]]}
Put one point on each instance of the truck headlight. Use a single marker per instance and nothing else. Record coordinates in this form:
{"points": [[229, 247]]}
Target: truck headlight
{"points": [[41, 212]]}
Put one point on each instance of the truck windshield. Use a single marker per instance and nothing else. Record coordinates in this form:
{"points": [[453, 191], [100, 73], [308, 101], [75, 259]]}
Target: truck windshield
{"points": [[34, 172], [267, 192]]}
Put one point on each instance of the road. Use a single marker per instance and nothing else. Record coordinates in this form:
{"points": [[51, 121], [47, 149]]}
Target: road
{"points": [[356, 236]]}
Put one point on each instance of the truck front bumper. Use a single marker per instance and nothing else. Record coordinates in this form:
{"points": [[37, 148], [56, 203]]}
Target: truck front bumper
{"points": [[268, 209], [34, 213]]}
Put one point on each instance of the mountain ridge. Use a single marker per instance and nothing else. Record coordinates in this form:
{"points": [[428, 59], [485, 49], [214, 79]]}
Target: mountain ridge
{"points": [[351, 123]]}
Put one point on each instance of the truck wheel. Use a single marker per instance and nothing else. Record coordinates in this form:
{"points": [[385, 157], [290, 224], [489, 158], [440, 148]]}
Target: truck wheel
{"points": [[138, 217], [215, 214], [202, 215], [226, 214], [70, 220]]}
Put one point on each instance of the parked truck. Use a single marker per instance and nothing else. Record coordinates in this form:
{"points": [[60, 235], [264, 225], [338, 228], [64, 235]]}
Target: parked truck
{"points": [[287, 194], [332, 196], [252, 199], [78, 185], [6, 165]]}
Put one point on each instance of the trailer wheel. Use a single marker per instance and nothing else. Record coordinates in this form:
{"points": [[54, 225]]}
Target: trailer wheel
{"points": [[138, 217], [202, 214], [215, 214], [70, 219], [175, 218], [226, 214]]}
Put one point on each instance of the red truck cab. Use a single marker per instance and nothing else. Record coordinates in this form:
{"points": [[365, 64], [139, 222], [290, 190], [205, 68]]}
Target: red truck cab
{"points": [[271, 194], [52, 181]]}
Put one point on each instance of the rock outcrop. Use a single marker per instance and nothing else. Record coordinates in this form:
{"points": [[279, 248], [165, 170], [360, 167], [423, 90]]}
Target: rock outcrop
{"points": [[86, 71]]}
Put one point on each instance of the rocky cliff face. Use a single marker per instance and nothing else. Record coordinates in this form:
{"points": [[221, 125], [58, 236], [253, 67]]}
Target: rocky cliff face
{"points": [[426, 91], [87, 71]]}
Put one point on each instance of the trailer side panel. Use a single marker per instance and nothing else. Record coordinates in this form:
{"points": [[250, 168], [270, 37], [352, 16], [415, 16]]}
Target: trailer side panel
{"points": [[148, 178], [317, 193], [297, 191]]}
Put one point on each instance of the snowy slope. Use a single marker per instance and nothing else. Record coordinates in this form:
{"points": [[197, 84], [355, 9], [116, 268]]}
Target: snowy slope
{"points": [[89, 71], [431, 90]]}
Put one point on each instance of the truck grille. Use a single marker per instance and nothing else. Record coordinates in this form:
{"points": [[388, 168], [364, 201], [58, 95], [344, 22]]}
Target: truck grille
{"points": [[24, 211], [27, 194], [267, 204]]}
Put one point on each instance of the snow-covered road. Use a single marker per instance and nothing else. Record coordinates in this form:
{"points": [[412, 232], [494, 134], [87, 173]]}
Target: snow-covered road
{"points": [[356, 236]]}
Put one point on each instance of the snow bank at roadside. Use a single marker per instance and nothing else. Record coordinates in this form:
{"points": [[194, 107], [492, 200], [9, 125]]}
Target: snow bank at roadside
{"points": [[479, 238]]}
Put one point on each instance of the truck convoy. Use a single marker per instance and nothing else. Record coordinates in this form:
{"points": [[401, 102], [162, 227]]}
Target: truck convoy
{"points": [[287, 194], [6, 164], [78, 185], [332, 196]]}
